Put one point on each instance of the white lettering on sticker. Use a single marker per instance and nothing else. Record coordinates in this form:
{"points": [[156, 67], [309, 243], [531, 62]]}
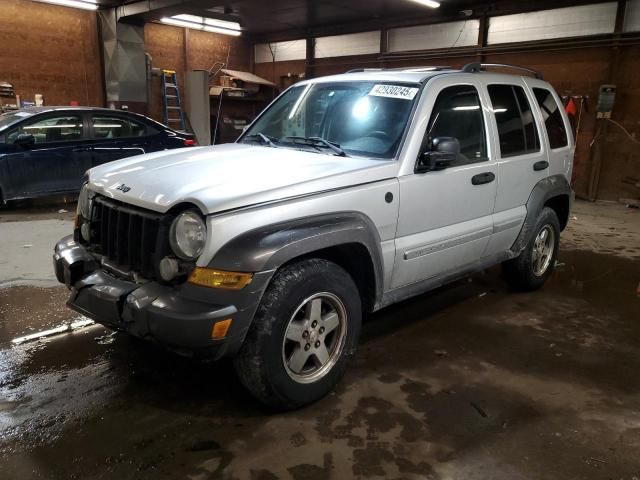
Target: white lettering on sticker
{"points": [[394, 91]]}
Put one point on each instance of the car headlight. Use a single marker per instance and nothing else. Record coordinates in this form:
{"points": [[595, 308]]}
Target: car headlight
{"points": [[83, 213], [188, 235], [83, 202]]}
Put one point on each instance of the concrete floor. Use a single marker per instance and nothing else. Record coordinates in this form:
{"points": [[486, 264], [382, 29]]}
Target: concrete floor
{"points": [[471, 381]]}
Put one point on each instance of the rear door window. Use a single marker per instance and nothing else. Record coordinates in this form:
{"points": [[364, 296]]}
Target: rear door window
{"points": [[516, 124], [114, 127], [553, 121]]}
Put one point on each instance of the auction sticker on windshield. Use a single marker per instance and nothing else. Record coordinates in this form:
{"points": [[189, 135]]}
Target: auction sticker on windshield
{"points": [[394, 91]]}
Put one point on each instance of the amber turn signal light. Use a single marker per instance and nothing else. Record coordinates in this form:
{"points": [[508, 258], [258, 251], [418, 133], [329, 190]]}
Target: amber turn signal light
{"points": [[208, 277], [220, 329]]}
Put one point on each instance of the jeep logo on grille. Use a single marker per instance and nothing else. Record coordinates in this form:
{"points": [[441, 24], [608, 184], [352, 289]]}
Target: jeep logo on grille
{"points": [[123, 188]]}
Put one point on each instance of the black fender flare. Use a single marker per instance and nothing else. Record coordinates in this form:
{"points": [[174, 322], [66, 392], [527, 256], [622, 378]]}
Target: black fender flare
{"points": [[269, 247], [545, 189]]}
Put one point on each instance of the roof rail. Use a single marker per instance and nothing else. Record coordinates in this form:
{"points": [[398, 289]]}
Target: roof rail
{"points": [[478, 67], [431, 68], [360, 70]]}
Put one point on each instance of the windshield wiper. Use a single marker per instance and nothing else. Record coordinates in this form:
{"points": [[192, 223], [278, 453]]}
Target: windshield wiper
{"points": [[265, 139], [317, 142]]}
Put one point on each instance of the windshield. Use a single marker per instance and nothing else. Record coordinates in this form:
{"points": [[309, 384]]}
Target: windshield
{"points": [[10, 118], [361, 118]]}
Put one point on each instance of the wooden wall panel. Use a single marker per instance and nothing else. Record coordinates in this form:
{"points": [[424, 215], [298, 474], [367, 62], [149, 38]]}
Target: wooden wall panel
{"points": [[621, 155], [51, 50], [276, 71]]}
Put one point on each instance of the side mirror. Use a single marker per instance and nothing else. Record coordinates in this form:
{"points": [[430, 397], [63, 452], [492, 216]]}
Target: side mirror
{"points": [[443, 152], [25, 140]]}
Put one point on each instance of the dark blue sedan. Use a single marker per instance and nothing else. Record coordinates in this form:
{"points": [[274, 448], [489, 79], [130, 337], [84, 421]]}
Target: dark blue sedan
{"points": [[46, 150]]}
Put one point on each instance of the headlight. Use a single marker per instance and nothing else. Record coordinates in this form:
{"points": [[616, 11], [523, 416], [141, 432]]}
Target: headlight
{"points": [[188, 235], [83, 202], [83, 213]]}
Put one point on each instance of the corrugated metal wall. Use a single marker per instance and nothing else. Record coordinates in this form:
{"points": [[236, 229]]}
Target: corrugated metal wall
{"points": [[557, 23], [443, 35], [281, 51], [351, 44], [632, 16]]}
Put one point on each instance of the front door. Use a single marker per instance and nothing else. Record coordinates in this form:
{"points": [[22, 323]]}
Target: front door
{"points": [[445, 219], [57, 159]]}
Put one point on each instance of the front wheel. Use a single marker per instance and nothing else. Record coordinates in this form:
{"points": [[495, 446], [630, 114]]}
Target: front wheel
{"points": [[533, 266], [304, 331]]}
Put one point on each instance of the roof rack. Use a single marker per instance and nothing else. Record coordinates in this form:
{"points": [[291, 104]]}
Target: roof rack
{"points": [[431, 68], [478, 67]]}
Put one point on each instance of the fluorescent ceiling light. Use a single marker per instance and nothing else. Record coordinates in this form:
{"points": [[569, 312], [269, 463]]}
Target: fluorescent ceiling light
{"points": [[223, 31], [179, 23], [84, 4], [214, 22], [467, 107], [428, 3], [205, 24]]}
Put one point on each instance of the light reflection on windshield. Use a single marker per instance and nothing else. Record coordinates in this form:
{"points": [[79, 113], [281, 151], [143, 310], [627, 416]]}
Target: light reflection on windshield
{"points": [[10, 118], [363, 118]]}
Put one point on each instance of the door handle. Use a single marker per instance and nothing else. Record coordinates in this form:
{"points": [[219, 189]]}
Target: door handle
{"points": [[543, 165], [81, 149], [483, 178]]}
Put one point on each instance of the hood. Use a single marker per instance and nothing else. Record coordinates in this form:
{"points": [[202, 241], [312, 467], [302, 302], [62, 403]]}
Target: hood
{"points": [[225, 177]]}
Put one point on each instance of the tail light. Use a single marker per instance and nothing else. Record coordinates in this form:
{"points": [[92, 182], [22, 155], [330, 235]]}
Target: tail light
{"points": [[190, 142]]}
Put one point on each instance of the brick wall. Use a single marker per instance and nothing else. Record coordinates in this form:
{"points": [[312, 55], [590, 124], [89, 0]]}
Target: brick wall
{"points": [[50, 50], [167, 46]]}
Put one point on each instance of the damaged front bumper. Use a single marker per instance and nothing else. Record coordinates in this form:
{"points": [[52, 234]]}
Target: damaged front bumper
{"points": [[180, 318]]}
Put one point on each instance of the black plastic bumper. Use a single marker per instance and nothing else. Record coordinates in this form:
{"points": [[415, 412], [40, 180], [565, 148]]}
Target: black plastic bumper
{"points": [[179, 318]]}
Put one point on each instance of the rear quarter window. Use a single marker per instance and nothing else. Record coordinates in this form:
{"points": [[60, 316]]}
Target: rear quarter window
{"points": [[553, 121], [113, 127]]}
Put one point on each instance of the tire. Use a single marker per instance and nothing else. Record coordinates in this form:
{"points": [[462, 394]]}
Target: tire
{"points": [[270, 362], [522, 273]]}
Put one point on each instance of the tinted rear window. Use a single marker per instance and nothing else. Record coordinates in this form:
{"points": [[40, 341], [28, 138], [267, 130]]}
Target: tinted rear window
{"points": [[516, 124], [553, 120]]}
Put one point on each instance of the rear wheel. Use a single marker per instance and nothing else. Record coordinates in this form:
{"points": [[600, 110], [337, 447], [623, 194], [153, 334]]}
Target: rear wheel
{"points": [[305, 329], [531, 269]]}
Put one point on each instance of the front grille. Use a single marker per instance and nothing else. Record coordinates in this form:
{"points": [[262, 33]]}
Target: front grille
{"points": [[129, 238]]}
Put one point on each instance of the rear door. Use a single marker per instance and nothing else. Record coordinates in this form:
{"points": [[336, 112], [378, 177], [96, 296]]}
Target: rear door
{"points": [[522, 161], [115, 136], [445, 218], [56, 161], [558, 131]]}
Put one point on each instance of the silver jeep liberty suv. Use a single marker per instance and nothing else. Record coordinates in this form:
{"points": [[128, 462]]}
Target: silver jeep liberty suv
{"points": [[347, 194]]}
